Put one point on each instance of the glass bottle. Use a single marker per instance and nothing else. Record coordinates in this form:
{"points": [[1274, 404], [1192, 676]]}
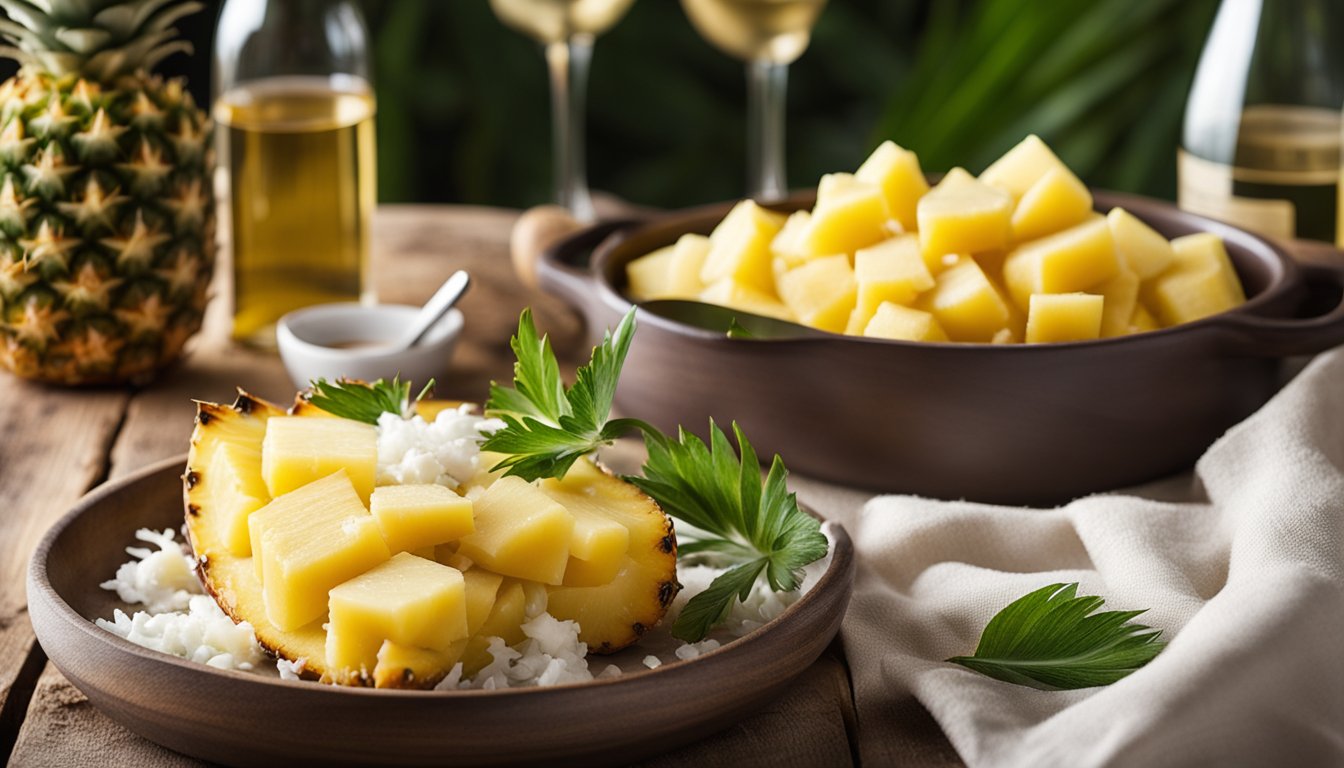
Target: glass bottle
{"points": [[295, 109], [1261, 144]]}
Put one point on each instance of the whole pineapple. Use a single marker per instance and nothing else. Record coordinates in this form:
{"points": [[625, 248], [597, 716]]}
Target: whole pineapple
{"points": [[107, 219]]}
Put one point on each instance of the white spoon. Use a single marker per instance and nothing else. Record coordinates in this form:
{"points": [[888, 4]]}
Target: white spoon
{"points": [[434, 310]]}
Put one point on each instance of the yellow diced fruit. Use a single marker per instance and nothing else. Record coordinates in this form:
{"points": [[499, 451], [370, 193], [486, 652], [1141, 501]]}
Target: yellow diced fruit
{"points": [[298, 450], [739, 247], [1200, 282], [966, 304], [893, 270], [481, 589], [1073, 260], [897, 173], [1057, 201], [787, 250], [1121, 295], [402, 666], [671, 272], [734, 295], [505, 621], [820, 293], [961, 215], [849, 215], [597, 549], [415, 516], [237, 490], [1143, 320], [520, 532], [307, 541], [1055, 317], [408, 600], [1021, 167], [892, 321], [1146, 252], [648, 276]]}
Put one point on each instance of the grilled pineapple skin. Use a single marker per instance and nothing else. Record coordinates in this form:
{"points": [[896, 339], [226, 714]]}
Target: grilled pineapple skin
{"points": [[611, 617]]}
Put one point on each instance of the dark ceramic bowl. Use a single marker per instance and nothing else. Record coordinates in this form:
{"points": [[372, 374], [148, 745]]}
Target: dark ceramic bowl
{"points": [[1025, 424]]}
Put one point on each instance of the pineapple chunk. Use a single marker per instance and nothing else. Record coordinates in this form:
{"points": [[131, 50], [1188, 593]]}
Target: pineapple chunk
{"points": [[1121, 294], [237, 491], [1200, 282], [820, 293], [897, 173], [416, 516], [614, 615], [412, 602], [481, 587], [966, 304], [1073, 260], [672, 272], [403, 666], [787, 249], [739, 247], [849, 215], [892, 321], [962, 215], [504, 621], [894, 271], [1143, 320], [1055, 317], [298, 450], [596, 549], [1143, 250], [308, 541], [734, 295], [520, 532], [1057, 201], [1021, 167]]}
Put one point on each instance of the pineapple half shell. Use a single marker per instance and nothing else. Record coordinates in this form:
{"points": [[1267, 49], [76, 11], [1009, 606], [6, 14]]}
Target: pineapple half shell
{"points": [[107, 217], [610, 617]]}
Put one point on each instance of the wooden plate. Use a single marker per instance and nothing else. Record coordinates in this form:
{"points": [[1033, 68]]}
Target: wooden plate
{"points": [[239, 718]]}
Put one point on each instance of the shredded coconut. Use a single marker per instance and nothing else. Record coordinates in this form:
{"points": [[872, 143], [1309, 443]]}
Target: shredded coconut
{"points": [[445, 451], [652, 662], [203, 634], [552, 654], [162, 580], [291, 670]]}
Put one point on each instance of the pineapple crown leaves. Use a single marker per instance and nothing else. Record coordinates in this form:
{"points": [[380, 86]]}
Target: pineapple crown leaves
{"points": [[98, 39]]}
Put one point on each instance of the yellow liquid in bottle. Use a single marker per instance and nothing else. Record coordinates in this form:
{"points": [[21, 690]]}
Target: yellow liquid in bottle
{"points": [[301, 163]]}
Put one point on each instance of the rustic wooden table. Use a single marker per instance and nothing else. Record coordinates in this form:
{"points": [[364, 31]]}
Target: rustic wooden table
{"points": [[56, 444]]}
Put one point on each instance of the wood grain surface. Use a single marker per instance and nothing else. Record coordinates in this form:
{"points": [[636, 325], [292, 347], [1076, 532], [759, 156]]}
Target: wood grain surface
{"points": [[56, 444]]}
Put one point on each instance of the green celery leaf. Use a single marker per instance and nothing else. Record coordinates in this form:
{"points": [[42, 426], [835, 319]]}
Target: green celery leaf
{"points": [[546, 426], [715, 490], [1051, 640], [359, 401], [710, 607]]}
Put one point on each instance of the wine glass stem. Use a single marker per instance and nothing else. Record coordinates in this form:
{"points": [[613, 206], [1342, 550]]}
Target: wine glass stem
{"points": [[767, 85], [568, 62]]}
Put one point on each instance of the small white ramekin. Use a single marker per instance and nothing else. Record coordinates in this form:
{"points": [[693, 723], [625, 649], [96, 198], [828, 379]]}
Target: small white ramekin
{"points": [[309, 342]]}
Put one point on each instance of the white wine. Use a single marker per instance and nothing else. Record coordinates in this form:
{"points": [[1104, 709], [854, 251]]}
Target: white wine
{"points": [[301, 162], [1261, 143], [555, 21], [772, 30]]}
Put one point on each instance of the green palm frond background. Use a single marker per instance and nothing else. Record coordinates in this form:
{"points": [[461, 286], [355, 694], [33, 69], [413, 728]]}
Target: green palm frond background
{"points": [[463, 106]]}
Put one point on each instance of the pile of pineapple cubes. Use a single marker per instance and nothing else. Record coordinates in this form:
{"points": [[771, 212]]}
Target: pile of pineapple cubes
{"points": [[1015, 255], [379, 561]]}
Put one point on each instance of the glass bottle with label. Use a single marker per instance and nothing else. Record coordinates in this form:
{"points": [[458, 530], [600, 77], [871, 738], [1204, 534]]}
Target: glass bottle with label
{"points": [[1261, 143], [295, 109]]}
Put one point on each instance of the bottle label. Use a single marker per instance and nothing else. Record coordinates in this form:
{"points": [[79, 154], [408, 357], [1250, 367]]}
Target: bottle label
{"points": [[1205, 188]]}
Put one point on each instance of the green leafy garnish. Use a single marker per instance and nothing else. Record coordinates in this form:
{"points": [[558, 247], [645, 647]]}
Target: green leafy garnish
{"points": [[547, 426], [1048, 640], [759, 527], [736, 331], [365, 402]]}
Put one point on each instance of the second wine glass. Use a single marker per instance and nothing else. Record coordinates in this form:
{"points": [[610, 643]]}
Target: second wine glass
{"points": [[769, 35], [566, 29]]}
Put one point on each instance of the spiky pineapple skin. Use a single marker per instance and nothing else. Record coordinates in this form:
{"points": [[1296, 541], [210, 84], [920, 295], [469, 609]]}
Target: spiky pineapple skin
{"points": [[107, 226]]}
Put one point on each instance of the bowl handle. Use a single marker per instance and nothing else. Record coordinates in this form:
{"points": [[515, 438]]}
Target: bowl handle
{"points": [[565, 270], [1285, 337]]}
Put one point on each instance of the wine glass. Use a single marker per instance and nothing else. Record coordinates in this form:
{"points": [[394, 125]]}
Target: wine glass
{"points": [[566, 29], [769, 35]]}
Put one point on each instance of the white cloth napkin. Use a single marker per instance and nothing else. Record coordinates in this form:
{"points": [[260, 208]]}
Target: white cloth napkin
{"points": [[1241, 565]]}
